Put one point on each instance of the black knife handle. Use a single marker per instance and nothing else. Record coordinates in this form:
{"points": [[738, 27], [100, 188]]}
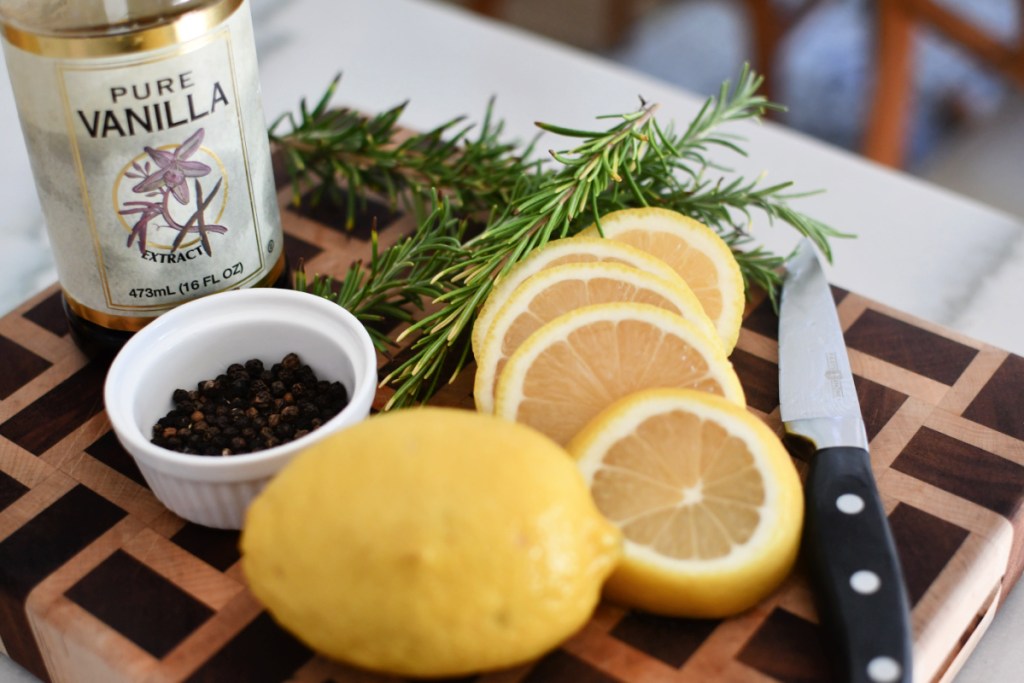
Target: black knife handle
{"points": [[860, 588]]}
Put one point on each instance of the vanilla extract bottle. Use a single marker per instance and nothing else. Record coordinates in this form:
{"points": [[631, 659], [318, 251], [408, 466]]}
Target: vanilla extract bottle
{"points": [[144, 124]]}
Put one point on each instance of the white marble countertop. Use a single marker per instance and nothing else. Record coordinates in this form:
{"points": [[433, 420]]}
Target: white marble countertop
{"points": [[919, 249]]}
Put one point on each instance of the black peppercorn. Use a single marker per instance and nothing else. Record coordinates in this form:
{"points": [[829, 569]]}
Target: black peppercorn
{"points": [[249, 408]]}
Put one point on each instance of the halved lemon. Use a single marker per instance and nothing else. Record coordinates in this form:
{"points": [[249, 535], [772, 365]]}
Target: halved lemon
{"points": [[578, 364], [560, 289], [559, 252], [693, 250], [707, 498]]}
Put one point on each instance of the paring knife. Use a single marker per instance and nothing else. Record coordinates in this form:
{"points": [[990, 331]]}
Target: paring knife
{"points": [[855, 569]]}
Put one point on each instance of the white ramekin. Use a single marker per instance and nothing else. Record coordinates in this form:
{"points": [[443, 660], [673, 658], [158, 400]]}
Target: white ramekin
{"points": [[199, 340]]}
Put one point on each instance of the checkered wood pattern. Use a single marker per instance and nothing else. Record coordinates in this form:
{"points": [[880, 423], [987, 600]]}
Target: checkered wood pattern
{"points": [[99, 582]]}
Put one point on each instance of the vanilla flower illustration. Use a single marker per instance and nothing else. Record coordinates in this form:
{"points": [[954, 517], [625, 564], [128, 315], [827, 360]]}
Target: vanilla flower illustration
{"points": [[174, 168], [171, 179]]}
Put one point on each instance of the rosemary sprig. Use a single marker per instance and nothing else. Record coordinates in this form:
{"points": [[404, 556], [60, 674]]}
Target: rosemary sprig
{"points": [[398, 280], [343, 155], [634, 162]]}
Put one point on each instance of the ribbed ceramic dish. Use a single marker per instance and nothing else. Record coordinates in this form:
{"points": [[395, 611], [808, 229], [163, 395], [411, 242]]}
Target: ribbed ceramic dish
{"points": [[198, 341]]}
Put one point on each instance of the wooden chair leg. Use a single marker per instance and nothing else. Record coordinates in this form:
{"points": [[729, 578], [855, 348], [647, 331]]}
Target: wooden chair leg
{"points": [[768, 29], [1005, 58], [621, 14], [885, 138], [490, 8]]}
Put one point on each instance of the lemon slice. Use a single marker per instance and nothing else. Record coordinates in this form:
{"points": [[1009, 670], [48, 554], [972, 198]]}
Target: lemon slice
{"points": [[707, 498], [694, 251], [555, 253], [578, 364], [560, 289]]}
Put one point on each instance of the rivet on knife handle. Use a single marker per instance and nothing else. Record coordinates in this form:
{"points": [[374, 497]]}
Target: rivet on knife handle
{"points": [[856, 569]]}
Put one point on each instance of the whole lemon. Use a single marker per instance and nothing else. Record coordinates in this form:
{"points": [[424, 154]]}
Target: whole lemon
{"points": [[429, 542]]}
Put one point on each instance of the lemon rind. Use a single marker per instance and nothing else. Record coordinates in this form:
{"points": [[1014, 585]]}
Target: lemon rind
{"points": [[675, 290], [656, 219], [540, 259], [509, 390]]}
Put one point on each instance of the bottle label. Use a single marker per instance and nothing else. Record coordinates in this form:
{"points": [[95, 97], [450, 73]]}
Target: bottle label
{"points": [[153, 169]]}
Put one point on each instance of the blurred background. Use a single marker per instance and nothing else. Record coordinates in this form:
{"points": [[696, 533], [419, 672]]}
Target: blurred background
{"points": [[933, 87]]}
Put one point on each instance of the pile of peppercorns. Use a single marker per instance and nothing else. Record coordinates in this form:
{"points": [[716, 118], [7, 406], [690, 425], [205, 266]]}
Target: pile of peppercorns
{"points": [[249, 408]]}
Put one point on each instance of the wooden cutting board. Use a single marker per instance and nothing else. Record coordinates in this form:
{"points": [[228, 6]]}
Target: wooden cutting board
{"points": [[99, 582]]}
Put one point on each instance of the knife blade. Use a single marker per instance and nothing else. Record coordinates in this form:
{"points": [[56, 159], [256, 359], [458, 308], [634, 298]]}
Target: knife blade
{"points": [[855, 569]]}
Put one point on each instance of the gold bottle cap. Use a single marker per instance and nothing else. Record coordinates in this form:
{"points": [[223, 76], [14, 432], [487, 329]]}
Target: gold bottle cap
{"points": [[187, 26]]}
